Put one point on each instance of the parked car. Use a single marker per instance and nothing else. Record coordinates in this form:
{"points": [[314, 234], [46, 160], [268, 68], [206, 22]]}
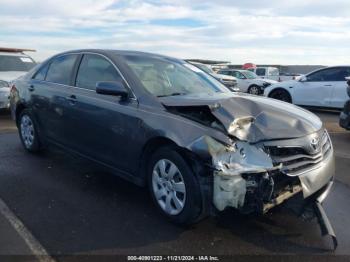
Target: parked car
{"points": [[229, 81], [157, 122], [344, 120], [266, 72], [13, 63], [325, 87], [247, 81]]}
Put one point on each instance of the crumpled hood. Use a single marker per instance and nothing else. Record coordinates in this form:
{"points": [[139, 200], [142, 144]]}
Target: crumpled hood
{"points": [[11, 75], [252, 118]]}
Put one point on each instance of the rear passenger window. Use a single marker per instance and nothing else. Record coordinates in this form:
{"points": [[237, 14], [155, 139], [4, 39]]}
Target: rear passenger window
{"points": [[93, 69], [60, 69]]}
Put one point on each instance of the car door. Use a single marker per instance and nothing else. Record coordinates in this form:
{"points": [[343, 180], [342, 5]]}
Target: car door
{"points": [[50, 88], [315, 90], [242, 81], [102, 127], [339, 95]]}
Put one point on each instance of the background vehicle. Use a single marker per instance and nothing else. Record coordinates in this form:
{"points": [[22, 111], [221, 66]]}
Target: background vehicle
{"points": [[247, 81], [13, 63], [266, 72], [321, 88], [162, 122], [229, 81], [273, 73], [344, 120]]}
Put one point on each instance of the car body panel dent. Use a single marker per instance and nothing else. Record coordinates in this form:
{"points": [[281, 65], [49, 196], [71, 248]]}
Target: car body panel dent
{"points": [[252, 118]]}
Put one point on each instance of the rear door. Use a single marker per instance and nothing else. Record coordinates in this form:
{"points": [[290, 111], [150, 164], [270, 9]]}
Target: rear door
{"points": [[50, 89]]}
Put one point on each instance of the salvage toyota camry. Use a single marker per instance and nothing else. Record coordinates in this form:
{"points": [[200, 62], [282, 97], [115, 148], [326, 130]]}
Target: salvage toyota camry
{"points": [[163, 123]]}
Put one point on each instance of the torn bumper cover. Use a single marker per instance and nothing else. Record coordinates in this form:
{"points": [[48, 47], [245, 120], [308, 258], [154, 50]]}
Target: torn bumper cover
{"points": [[249, 178]]}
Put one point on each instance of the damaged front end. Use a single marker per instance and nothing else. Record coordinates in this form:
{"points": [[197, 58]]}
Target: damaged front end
{"points": [[257, 177], [272, 151]]}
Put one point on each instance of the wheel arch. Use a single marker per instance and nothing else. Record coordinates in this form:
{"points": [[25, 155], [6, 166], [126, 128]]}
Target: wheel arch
{"points": [[254, 84], [157, 142], [18, 110], [280, 89]]}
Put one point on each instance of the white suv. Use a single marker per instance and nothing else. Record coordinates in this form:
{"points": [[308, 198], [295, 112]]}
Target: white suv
{"points": [[13, 64], [324, 87]]}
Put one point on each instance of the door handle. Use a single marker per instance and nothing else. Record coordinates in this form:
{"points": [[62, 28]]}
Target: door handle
{"points": [[31, 88], [327, 85], [72, 99]]}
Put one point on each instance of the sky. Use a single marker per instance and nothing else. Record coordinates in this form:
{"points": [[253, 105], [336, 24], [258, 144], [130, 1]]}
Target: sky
{"points": [[258, 31]]}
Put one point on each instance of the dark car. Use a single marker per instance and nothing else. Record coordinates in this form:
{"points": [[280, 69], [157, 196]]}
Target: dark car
{"points": [[344, 120], [159, 122]]}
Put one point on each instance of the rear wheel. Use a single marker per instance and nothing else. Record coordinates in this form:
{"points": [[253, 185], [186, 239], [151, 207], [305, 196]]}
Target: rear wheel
{"points": [[173, 186], [28, 131], [254, 90], [282, 95]]}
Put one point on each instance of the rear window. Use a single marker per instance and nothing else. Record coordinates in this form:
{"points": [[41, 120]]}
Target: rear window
{"points": [[15, 63]]}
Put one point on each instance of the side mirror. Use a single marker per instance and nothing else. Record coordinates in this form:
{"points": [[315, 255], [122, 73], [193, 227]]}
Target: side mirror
{"points": [[116, 88], [303, 79]]}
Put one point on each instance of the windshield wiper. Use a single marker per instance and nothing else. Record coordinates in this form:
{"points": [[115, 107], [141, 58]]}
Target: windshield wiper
{"points": [[173, 94]]}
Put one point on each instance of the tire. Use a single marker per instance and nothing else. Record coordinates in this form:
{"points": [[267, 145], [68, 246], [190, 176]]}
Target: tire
{"points": [[281, 94], [254, 90], [28, 132], [175, 191]]}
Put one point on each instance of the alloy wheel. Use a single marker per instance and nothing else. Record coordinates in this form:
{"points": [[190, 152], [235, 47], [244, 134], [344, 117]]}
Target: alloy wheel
{"points": [[254, 90], [27, 131], [168, 187]]}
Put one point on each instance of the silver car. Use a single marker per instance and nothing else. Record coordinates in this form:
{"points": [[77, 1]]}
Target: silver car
{"points": [[13, 64]]}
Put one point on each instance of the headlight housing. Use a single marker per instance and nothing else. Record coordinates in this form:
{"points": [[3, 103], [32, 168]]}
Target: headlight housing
{"points": [[4, 84]]}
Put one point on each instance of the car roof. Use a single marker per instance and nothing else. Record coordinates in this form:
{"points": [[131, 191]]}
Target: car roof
{"points": [[114, 52], [323, 68]]}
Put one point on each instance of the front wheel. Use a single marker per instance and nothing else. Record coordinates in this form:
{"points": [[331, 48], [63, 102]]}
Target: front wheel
{"points": [[28, 132], [254, 90], [281, 94], [174, 187]]}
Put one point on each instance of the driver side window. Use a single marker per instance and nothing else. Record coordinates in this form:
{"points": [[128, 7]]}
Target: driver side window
{"points": [[94, 68], [330, 74]]}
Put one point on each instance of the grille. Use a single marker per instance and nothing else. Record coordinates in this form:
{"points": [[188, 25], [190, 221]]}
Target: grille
{"points": [[296, 160]]}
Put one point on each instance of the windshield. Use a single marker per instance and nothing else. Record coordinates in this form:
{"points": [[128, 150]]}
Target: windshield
{"points": [[204, 68], [249, 74], [164, 77], [15, 63]]}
